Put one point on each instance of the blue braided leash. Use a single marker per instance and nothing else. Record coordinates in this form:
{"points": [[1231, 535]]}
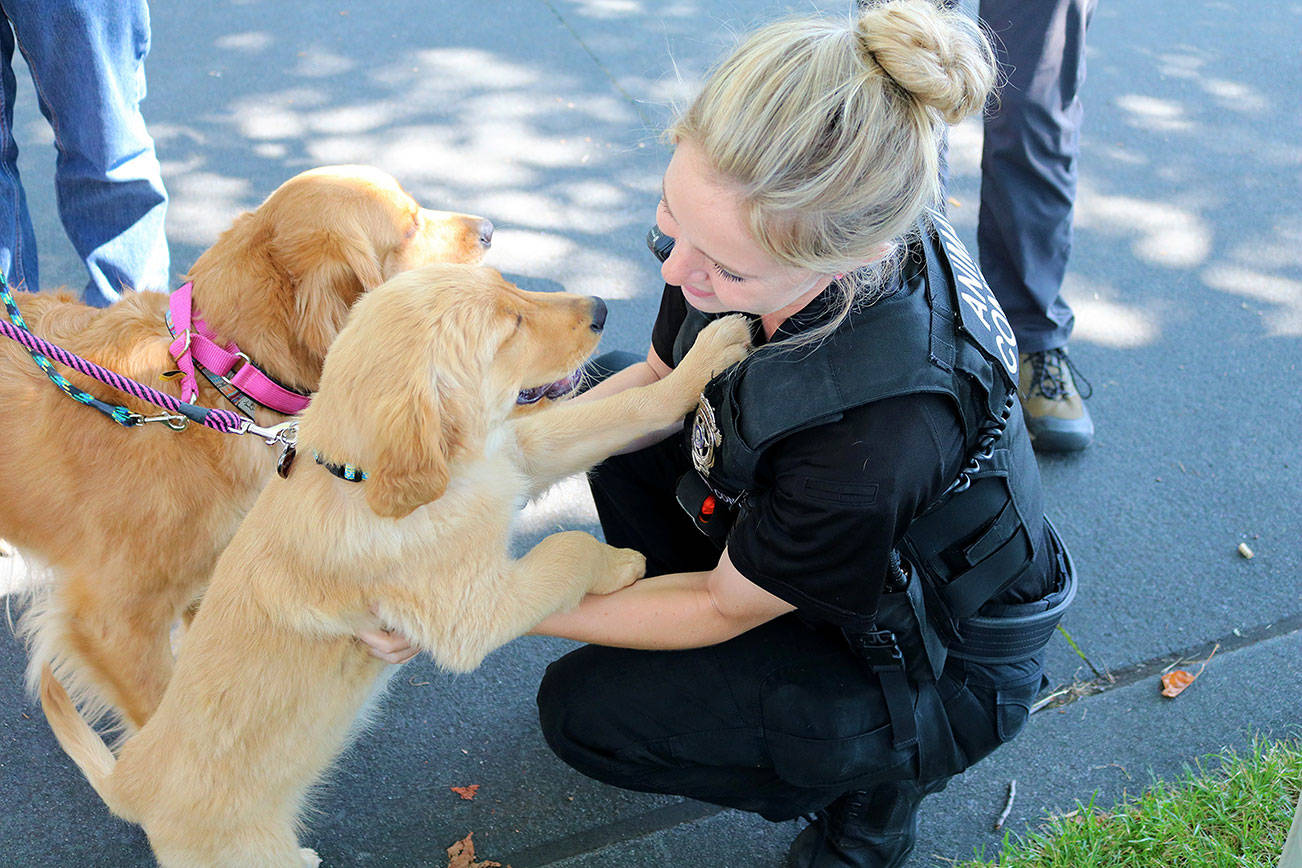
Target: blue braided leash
{"points": [[42, 351], [118, 414]]}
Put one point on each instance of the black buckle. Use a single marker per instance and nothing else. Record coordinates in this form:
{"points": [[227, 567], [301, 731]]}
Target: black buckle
{"points": [[881, 653], [877, 648]]}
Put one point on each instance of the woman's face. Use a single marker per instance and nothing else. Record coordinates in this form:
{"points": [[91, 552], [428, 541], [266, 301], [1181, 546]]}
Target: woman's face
{"points": [[715, 260]]}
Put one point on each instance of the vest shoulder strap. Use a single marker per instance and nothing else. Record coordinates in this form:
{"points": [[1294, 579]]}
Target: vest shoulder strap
{"points": [[883, 350]]}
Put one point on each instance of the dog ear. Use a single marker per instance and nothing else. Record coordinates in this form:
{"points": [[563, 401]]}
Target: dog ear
{"points": [[328, 285], [410, 466]]}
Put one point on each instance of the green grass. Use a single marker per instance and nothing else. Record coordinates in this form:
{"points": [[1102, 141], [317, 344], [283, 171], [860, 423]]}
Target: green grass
{"points": [[1227, 811]]}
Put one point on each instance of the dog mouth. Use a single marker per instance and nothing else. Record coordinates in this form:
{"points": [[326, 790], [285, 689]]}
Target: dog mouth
{"points": [[558, 389]]}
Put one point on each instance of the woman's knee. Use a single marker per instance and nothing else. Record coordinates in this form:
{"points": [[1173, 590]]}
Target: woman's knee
{"points": [[991, 705], [578, 715]]}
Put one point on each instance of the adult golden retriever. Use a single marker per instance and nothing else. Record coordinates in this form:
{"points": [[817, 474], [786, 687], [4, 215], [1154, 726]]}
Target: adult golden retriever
{"points": [[418, 392], [130, 521]]}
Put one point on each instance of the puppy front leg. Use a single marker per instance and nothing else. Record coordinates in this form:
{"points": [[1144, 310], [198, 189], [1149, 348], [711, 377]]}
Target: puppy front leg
{"points": [[572, 437], [554, 575]]}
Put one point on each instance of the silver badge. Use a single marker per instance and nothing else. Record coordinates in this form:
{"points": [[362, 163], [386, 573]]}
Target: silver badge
{"points": [[705, 436]]}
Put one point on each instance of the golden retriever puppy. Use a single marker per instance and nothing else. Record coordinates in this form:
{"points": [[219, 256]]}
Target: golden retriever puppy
{"points": [[130, 521], [418, 393]]}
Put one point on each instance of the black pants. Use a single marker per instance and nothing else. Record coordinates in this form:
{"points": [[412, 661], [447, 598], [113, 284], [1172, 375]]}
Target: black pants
{"points": [[780, 720]]}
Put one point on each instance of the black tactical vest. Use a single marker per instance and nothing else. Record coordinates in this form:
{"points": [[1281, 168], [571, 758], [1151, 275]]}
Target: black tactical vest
{"points": [[941, 332]]}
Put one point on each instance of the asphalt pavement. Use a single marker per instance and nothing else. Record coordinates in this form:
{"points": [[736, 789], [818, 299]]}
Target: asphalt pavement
{"points": [[544, 115]]}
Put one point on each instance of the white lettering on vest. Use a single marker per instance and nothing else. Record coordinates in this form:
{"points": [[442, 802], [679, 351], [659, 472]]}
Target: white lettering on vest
{"points": [[976, 294]]}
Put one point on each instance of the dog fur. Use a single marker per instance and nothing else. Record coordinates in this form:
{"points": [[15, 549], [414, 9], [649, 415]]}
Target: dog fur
{"points": [[418, 391], [130, 521]]}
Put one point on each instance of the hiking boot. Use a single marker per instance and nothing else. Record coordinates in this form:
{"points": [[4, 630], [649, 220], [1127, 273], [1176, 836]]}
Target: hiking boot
{"points": [[1055, 412], [864, 829]]}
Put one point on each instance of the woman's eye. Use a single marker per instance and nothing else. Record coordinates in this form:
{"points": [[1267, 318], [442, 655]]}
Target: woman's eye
{"points": [[727, 275], [664, 214]]}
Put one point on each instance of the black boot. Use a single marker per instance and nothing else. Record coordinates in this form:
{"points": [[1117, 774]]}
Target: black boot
{"points": [[874, 828]]}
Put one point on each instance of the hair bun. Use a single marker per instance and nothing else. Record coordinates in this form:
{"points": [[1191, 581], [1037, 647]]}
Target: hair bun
{"points": [[940, 56]]}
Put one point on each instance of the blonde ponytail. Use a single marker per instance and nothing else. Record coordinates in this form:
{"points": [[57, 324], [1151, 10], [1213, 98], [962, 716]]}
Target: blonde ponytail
{"points": [[939, 56]]}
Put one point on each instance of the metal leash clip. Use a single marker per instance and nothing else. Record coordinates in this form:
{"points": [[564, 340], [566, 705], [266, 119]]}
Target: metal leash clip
{"points": [[285, 433], [176, 423]]}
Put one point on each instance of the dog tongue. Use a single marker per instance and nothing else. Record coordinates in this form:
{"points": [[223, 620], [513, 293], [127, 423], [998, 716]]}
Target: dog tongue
{"points": [[557, 389], [564, 386]]}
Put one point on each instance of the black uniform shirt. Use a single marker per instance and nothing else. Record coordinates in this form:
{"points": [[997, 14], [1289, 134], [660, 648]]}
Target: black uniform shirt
{"points": [[832, 501]]}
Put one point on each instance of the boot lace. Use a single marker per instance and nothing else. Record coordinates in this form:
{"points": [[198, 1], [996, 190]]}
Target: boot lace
{"points": [[1054, 375]]}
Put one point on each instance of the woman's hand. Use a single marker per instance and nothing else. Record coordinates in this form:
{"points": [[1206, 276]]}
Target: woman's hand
{"points": [[388, 645]]}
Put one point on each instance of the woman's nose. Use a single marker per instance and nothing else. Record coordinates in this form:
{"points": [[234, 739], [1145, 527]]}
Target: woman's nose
{"points": [[682, 266]]}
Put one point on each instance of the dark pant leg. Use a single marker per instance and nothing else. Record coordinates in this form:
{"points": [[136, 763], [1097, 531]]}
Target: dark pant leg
{"points": [[694, 723], [780, 721], [634, 495], [1028, 162]]}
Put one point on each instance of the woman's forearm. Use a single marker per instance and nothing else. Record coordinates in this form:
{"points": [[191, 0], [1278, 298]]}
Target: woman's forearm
{"points": [[679, 610], [659, 613], [641, 374]]}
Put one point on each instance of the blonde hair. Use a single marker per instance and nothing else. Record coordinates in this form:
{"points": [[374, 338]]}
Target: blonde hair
{"points": [[830, 129]]}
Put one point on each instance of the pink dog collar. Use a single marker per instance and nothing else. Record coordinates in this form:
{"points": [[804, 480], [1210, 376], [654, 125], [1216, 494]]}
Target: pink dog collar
{"points": [[194, 345]]}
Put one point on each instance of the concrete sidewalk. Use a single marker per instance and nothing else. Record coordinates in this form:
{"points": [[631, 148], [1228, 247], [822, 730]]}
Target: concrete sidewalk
{"points": [[543, 116]]}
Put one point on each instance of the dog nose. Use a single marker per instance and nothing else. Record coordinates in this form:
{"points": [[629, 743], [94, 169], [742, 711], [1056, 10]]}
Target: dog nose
{"points": [[486, 233], [598, 314]]}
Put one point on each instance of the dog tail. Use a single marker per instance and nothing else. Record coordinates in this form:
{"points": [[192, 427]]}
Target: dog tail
{"points": [[75, 735]]}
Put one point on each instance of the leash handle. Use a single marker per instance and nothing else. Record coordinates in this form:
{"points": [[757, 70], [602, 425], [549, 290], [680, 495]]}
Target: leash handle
{"points": [[226, 421]]}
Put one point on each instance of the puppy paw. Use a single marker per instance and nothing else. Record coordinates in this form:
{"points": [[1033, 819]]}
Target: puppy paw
{"points": [[623, 568], [309, 856], [719, 346]]}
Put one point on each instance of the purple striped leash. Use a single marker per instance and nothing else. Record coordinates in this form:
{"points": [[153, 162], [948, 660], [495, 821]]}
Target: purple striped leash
{"points": [[226, 421]]}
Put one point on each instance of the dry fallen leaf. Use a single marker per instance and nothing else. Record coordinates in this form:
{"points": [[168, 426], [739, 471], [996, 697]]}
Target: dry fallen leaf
{"points": [[462, 855], [1173, 683], [466, 793]]}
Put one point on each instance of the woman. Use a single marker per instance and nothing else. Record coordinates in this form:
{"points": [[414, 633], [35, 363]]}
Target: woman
{"points": [[837, 542]]}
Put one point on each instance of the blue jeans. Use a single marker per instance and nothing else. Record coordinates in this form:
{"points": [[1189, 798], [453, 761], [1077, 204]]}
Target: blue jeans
{"points": [[87, 62]]}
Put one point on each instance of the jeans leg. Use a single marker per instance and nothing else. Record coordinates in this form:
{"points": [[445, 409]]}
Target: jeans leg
{"points": [[17, 238], [1029, 162], [87, 62]]}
